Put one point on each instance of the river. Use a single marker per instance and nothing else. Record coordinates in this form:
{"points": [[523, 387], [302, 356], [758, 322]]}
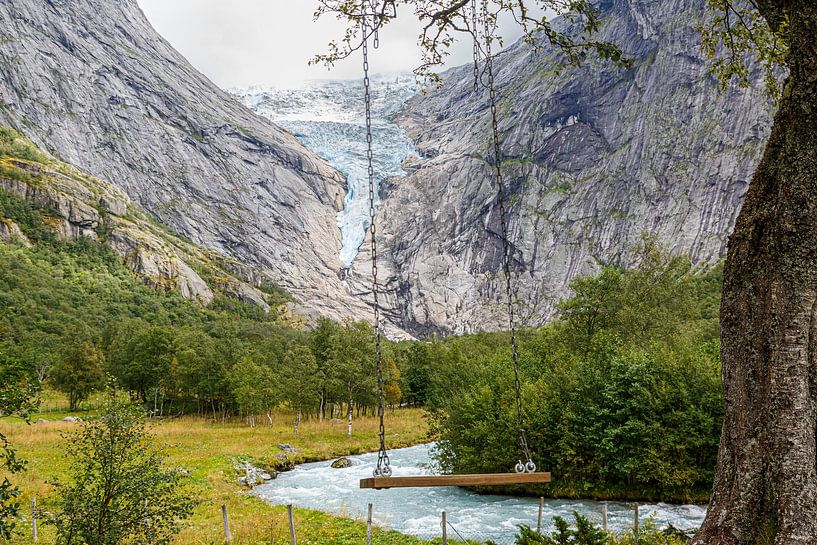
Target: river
{"points": [[416, 511]]}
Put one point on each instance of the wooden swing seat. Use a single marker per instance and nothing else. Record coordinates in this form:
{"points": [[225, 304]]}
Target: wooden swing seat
{"points": [[487, 479]]}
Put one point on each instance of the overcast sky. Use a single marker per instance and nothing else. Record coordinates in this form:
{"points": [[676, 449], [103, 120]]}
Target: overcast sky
{"points": [[239, 43]]}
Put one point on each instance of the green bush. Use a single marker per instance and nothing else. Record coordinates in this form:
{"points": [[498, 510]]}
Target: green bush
{"points": [[120, 490], [584, 532], [30, 218]]}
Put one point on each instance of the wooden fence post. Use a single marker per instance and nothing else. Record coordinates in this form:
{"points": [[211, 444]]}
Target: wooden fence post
{"points": [[34, 518], [604, 517], [635, 525], [292, 539], [445, 528], [539, 518], [228, 537], [369, 526]]}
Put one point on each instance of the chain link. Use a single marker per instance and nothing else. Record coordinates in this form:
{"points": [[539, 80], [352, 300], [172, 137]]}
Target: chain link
{"points": [[383, 465], [528, 465], [475, 30]]}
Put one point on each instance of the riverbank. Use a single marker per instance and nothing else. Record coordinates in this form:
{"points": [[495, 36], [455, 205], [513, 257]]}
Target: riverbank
{"points": [[209, 450], [568, 490]]}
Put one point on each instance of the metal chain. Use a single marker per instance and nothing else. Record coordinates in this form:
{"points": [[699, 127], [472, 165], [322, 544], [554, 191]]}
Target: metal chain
{"points": [[383, 468], [528, 465], [475, 30]]}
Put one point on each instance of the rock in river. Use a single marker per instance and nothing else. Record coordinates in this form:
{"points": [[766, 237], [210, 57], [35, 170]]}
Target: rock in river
{"points": [[341, 463]]}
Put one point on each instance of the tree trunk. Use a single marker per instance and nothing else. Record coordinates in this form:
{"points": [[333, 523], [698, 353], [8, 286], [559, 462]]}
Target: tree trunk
{"points": [[297, 420], [322, 408], [349, 416], [766, 479]]}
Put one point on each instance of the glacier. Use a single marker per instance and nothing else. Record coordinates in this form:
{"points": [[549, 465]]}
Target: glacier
{"points": [[328, 117]]}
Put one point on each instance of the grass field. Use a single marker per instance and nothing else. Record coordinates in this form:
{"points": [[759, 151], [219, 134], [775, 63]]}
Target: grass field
{"points": [[208, 451]]}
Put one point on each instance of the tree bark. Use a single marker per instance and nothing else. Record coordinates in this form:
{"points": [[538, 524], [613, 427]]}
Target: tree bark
{"points": [[765, 487], [349, 416]]}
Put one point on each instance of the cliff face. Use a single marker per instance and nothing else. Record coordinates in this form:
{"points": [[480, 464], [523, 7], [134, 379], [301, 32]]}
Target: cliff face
{"points": [[594, 157], [92, 82]]}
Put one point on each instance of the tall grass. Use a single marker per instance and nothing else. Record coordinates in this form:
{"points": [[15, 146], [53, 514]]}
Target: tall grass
{"points": [[208, 449]]}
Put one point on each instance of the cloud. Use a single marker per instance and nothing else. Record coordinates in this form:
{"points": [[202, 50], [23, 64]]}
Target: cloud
{"points": [[269, 42]]}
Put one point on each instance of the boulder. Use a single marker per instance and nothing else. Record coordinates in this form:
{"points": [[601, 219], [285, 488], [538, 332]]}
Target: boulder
{"points": [[72, 419], [114, 205], [253, 476], [283, 463], [289, 449], [341, 463]]}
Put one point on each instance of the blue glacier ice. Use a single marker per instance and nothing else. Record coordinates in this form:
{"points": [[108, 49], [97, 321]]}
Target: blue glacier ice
{"points": [[328, 118]]}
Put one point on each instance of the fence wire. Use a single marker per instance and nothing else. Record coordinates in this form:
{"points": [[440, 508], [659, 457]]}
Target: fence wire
{"points": [[620, 519]]}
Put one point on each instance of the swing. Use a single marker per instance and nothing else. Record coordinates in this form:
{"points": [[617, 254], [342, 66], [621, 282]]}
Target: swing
{"points": [[525, 473]]}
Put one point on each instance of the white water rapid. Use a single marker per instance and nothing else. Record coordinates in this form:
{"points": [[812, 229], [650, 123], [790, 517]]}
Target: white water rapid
{"points": [[417, 511]]}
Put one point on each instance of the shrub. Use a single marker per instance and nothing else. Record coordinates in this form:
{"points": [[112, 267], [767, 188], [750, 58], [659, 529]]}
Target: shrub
{"points": [[119, 490]]}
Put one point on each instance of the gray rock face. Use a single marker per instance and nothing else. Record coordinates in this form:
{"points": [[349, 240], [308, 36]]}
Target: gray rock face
{"points": [[95, 85], [594, 158], [10, 232]]}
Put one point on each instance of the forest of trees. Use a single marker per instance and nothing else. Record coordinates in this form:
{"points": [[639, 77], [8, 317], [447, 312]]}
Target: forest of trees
{"points": [[71, 315]]}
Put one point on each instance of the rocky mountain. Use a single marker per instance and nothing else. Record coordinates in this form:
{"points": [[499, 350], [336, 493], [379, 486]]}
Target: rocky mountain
{"points": [[91, 82], [595, 157]]}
